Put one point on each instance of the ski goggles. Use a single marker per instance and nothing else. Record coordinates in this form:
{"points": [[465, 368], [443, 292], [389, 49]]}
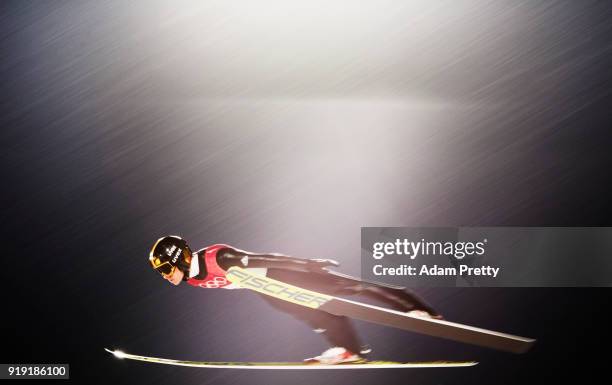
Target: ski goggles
{"points": [[164, 268]]}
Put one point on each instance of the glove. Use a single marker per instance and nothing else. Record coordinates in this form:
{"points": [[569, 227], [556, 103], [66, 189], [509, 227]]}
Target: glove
{"points": [[320, 265]]}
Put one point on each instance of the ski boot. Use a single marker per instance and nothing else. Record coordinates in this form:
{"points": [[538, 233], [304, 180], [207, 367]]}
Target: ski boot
{"points": [[336, 356], [424, 314]]}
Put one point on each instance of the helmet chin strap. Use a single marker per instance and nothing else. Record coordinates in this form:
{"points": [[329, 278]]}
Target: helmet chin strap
{"points": [[185, 265]]}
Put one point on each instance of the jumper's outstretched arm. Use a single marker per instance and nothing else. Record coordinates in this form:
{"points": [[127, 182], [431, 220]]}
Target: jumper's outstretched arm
{"points": [[236, 257]]}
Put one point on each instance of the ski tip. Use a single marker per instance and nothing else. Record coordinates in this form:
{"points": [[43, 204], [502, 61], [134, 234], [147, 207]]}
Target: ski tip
{"points": [[116, 353]]}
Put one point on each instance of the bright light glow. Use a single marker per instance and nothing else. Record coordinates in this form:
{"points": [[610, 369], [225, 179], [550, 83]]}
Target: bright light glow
{"points": [[119, 354]]}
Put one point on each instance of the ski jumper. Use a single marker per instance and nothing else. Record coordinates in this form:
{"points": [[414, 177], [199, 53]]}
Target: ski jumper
{"points": [[209, 265]]}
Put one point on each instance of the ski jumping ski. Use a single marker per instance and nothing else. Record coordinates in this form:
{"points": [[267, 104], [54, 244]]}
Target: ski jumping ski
{"points": [[295, 365], [375, 314]]}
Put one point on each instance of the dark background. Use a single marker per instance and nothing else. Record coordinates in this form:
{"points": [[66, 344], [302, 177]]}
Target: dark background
{"points": [[286, 127]]}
